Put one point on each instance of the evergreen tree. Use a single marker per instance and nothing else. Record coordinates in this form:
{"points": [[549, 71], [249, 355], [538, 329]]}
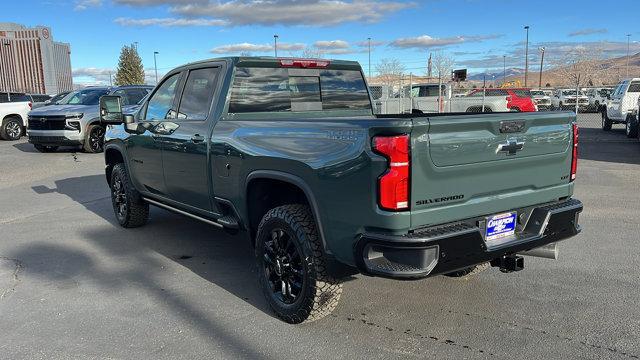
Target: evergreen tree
{"points": [[130, 70]]}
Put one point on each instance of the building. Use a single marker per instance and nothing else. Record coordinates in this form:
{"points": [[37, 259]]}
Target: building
{"points": [[30, 61]]}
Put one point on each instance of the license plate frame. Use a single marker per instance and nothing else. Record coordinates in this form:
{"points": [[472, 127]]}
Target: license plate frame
{"points": [[500, 227]]}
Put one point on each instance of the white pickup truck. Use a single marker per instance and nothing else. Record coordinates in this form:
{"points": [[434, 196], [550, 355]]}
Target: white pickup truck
{"points": [[425, 98], [14, 108], [622, 106]]}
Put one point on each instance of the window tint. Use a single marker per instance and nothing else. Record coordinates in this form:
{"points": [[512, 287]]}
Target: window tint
{"points": [[15, 97], [131, 96], [162, 100], [634, 87], [522, 93], [491, 92], [429, 90], [197, 94], [274, 90]]}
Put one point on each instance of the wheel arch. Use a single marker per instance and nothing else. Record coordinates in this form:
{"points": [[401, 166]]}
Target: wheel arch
{"points": [[271, 177], [14, 115], [113, 155]]}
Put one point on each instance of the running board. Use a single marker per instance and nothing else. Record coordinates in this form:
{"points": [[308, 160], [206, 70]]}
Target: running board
{"points": [[178, 211]]}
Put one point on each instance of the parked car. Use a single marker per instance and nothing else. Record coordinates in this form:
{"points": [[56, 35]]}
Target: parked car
{"points": [[542, 101], [565, 99], [598, 98], [39, 100], [14, 109], [288, 153], [517, 99], [56, 98], [425, 98], [620, 109], [75, 121]]}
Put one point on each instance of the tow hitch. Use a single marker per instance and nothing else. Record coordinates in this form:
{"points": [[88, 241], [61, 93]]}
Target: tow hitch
{"points": [[509, 263]]}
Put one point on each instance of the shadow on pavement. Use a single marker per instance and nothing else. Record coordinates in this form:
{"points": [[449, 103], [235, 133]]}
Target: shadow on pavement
{"points": [[608, 146], [27, 147]]}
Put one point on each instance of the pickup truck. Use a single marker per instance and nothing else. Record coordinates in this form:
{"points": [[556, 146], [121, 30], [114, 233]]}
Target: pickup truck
{"points": [[622, 106], [288, 154], [425, 98]]}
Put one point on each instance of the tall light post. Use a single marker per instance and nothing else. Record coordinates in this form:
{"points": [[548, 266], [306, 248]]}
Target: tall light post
{"points": [[504, 69], [541, 62], [275, 44], [369, 39], [628, 42], [526, 57], [155, 65]]}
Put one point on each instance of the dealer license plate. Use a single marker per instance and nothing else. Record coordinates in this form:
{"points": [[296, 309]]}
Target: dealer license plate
{"points": [[500, 226]]}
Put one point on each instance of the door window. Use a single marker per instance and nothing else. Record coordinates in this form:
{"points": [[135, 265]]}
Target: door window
{"points": [[197, 94], [161, 102]]}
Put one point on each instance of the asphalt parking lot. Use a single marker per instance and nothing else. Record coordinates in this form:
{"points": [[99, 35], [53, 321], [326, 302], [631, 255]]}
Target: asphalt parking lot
{"points": [[73, 284]]}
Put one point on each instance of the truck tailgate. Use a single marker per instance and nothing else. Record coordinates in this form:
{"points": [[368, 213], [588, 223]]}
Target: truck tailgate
{"points": [[464, 166]]}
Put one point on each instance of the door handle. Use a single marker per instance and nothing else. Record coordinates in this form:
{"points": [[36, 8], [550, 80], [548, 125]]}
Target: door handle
{"points": [[197, 138]]}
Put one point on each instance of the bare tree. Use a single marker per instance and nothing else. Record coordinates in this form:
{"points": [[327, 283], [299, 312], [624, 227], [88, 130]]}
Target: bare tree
{"points": [[442, 66], [580, 66], [389, 71], [312, 53]]}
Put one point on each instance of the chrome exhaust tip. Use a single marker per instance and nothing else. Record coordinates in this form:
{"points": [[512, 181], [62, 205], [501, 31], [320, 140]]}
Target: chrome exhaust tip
{"points": [[549, 251]]}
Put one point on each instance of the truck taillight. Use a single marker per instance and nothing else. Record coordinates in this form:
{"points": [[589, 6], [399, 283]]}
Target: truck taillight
{"points": [[574, 155], [305, 63], [393, 185], [30, 105]]}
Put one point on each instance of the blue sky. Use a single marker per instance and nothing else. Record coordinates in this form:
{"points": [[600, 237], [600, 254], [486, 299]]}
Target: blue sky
{"points": [[477, 34]]}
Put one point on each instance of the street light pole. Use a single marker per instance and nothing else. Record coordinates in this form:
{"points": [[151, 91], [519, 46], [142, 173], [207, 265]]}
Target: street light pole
{"points": [[504, 69], [275, 44], [526, 57], [628, 41], [369, 57], [541, 62], [155, 65]]}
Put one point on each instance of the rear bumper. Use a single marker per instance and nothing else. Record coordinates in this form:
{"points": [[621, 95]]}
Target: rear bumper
{"points": [[447, 248]]}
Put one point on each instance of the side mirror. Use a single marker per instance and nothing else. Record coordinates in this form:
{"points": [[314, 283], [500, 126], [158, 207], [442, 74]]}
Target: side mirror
{"points": [[111, 110]]}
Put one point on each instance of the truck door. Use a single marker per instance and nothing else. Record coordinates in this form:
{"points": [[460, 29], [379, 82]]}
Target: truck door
{"points": [[613, 110], [185, 147], [145, 149]]}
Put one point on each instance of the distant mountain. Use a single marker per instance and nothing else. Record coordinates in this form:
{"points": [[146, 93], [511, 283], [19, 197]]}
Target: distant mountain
{"points": [[495, 75]]}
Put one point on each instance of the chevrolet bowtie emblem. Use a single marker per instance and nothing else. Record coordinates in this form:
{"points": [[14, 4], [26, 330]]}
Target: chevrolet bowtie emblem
{"points": [[511, 147]]}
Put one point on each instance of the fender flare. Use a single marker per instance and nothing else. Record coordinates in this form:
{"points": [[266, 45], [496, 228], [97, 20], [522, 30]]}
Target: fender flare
{"points": [[300, 183]]}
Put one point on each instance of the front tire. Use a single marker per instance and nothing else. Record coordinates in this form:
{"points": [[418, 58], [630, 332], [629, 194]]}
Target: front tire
{"points": [[94, 143], [11, 129], [131, 211], [291, 266], [631, 127], [606, 122]]}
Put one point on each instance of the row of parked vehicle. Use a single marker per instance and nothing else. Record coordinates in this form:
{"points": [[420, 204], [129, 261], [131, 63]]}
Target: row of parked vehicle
{"points": [[66, 119], [623, 107]]}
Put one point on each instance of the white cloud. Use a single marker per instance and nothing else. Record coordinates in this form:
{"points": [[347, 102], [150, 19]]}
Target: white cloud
{"points": [[169, 22], [85, 4], [331, 44], [259, 48], [426, 41], [589, 31]]}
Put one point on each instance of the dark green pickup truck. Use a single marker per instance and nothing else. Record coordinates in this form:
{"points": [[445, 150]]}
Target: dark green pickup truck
{"points": [[289, 153]]}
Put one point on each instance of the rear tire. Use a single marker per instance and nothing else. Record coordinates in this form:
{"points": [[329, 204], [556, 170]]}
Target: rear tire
{"points": [[94, 142], [45, 148], [606, 122], [469, 272], [631, 127], [11, 129], [131, 211], [291, 266]]}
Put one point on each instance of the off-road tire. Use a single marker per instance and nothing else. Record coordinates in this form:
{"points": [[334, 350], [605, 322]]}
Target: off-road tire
{"points": [[320, 292], [606, 122], [631, 127], [11, 129], [94, 142], [45, 148], [469, 272], [135, 211]]}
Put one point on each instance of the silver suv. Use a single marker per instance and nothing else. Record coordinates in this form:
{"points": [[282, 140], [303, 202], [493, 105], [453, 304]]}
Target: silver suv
{"points": [[75, 121]]}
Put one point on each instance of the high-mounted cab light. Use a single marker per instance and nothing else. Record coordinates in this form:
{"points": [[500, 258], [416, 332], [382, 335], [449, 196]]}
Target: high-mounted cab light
{"points": [[305, 63]]}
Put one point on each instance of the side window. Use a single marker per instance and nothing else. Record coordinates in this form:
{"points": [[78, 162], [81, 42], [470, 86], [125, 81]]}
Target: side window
{"points": [[198, 93], [160, 104], [134, 95]]}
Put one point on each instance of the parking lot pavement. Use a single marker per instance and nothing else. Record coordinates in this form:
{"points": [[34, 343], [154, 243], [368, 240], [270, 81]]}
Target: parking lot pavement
{"points": [[75, 285]]}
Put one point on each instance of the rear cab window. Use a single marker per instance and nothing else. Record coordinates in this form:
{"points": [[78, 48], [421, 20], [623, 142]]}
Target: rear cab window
{"points": [[294, 90], [634, 87]]}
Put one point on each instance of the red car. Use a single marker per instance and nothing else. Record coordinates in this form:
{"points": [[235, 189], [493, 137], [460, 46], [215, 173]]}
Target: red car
{"points": [[517, 99]]}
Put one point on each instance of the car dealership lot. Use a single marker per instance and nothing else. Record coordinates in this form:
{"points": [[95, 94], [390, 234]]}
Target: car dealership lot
{"points": [[73, 284]]}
